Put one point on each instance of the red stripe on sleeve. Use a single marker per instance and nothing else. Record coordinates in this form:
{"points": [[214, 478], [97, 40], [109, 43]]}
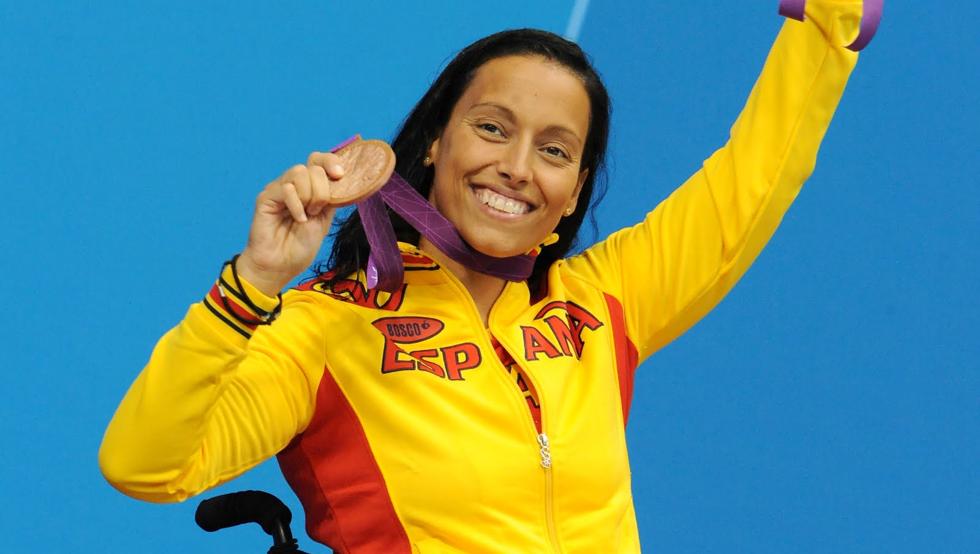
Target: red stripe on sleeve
{"points": [[243, 313], [626, 354], [331, 468]]}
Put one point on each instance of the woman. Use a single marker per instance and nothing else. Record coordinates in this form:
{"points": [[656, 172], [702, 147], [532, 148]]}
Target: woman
{"points": [[463, 412]]}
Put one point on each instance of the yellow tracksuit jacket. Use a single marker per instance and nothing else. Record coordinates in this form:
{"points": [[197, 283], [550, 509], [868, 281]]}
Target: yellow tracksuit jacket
{"points": [[393, 419]]}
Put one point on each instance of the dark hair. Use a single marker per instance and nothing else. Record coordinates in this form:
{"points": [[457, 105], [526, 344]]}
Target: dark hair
{"points": [[429, 117]]}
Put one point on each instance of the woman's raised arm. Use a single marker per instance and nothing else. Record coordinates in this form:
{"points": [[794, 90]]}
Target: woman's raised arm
{"points": [[672, 268], [229, 387]]}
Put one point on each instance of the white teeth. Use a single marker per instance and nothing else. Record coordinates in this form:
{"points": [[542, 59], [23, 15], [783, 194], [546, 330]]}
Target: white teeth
{"points": [[501, 202]]}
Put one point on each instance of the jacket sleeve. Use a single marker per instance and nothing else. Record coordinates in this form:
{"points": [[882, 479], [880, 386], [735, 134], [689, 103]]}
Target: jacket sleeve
{"points": [[671, 269], [217, 396]]}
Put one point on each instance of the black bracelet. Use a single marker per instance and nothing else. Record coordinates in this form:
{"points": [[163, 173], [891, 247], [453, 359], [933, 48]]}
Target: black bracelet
{"points": [[265, 318]]}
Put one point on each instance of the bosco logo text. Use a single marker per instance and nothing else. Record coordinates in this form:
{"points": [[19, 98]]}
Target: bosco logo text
{"points": [[447, 362]]}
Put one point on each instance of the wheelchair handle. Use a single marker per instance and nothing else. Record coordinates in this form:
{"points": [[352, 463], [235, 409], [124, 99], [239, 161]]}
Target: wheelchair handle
{"points": [[260, 507]]}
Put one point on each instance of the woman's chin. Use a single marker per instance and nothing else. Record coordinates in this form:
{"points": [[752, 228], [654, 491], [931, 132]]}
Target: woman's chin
{"points": [[497, 248]]}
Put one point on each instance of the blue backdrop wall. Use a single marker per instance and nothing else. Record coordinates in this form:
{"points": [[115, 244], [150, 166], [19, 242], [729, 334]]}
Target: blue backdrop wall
{"points": [[830, 404]]}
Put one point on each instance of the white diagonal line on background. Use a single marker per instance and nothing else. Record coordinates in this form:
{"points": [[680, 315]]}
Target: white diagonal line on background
{"points": [[576, 19]]}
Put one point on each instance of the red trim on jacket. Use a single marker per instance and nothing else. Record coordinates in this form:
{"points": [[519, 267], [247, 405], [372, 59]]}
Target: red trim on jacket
{"points": [[626, 354], [241, 313], [521, 380], [331, 468]]}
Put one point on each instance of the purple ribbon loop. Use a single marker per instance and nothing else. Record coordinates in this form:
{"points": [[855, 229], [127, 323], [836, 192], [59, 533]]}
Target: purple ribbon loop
{"points": [[792, 9], [385, 261], [869, 24], [870, 19], [385, 270]]}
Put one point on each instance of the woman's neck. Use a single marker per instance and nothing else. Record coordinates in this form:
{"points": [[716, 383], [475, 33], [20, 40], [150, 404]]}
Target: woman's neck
{"points": [[483, 288]]}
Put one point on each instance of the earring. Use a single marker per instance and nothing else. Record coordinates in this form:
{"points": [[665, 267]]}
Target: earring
{"points": [[569, 212], [427, 161]]}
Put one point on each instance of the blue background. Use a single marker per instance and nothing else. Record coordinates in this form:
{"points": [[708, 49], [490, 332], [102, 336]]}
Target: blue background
{"points": [[830, 404]]}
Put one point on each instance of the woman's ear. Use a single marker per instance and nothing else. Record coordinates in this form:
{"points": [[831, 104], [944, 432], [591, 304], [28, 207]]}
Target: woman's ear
{"points": [[432, 154], [573, 201]]}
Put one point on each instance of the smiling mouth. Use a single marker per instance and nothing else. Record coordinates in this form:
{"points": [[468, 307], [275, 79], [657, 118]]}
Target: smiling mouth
{"points": [[502, 203]]}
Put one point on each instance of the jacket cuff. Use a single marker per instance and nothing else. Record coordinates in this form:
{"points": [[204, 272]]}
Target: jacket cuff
{"points": [[239, 304]]}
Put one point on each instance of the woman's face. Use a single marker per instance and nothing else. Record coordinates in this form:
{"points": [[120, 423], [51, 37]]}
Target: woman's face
{"points": [[508, 164]]}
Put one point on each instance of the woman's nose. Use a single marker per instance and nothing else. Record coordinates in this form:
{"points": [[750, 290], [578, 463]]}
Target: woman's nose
{"points": [[515, 163]]}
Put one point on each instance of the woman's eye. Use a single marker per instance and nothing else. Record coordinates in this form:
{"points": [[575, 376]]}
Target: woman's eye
{"points": [[491, 128], [555, 151]]}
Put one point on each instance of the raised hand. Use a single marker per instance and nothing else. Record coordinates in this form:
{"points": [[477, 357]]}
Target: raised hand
{"points": [[294, 212], [292, 216]]}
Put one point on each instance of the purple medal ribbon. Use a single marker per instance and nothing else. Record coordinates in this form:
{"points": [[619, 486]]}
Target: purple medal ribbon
{"points": [[385, 270], [869, 19]]}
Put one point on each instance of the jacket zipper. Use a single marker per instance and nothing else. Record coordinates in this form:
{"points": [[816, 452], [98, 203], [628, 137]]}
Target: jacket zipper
{"points": [[544, 452], [549, 508], [544, 447]]}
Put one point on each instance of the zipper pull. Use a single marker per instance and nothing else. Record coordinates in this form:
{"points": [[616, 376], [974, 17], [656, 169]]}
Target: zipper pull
{"points": [[545, 451]]}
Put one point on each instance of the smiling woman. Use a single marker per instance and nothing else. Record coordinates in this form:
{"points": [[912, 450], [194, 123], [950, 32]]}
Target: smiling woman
{"points": [[463, 412], [430, 118], [507, 163]]}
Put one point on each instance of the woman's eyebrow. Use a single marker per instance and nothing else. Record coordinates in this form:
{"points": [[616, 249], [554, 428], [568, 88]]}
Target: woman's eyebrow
{"points": [[506, 111], [564, 133]]}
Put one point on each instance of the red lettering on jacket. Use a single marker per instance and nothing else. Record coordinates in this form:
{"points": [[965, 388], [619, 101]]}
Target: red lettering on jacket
{"points": [[535, 343], [425, 365], [460, 357], [393, 359], [355, 292], [563, 334], [567, 332], [409, 330]]}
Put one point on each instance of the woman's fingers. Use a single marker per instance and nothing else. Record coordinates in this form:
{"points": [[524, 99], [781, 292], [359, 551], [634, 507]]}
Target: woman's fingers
{"points": [[320, 185], [299, 176], [305, 189], [323, 167], [301, 195], [293, 202], [332, 164]]}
